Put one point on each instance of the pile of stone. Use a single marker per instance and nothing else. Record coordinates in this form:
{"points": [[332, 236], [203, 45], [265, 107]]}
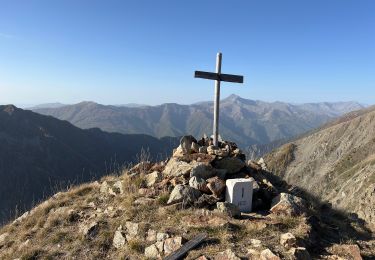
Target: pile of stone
{"points": [[196, 174]]}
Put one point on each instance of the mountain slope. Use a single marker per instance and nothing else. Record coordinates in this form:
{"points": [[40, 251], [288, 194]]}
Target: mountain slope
{"points": [[40, 154], [336, 163], [244, 121]]}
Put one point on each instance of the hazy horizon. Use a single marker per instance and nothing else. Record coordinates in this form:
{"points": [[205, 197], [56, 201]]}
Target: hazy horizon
{"points": [[25, 106]]}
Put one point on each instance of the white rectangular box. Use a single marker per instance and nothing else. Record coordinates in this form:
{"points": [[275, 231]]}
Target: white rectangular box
{"points": [[240, 192]]}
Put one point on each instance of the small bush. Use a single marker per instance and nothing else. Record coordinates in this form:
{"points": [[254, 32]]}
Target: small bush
{"points": [[136, 245], [163, 198]]}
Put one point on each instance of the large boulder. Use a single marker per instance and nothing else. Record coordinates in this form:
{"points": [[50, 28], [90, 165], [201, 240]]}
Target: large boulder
{"points": [[185, 194], [229, 209], [287, 204], [202, 170], [176, 168], [231, 164]]}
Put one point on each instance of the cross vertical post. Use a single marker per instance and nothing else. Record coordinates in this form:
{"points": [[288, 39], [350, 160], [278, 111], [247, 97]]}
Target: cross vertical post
{"points": [[218, 77], [217, 100]]}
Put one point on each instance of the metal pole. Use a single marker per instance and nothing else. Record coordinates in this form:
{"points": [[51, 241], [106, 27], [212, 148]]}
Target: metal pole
{"points": [[217, 100]]}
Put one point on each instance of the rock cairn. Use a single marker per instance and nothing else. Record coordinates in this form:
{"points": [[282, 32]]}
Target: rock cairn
{"points": [[196, 173]]}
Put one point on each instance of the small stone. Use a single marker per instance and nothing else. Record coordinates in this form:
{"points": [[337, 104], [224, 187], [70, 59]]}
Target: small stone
{"points": [[262, 164], [287, 204], [222, 152], [186, 142], [153, 178], [256, 186], [254, 165], [267, 254], [104, 187], [152, 252], [199, 184], [202, 149], [118, 187], [178, 152], [172, 244], [160, 246], [229, 209], [89, 230], [288, 240], [256, 242], [202, 257], [185, 194], [253, 254], [3, 238], [300, 253], [151, 235], [227, 255], [216, 186], [131, 230], [206, 201], [118, 239], [161, 236], [212, 149], [195, 147]]}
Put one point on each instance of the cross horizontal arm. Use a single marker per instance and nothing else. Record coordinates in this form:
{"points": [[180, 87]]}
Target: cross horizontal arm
{"points": [[220, 77]]}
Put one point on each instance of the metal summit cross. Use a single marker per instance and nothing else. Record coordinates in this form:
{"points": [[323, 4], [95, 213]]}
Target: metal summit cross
{"points": [[218, 77]]}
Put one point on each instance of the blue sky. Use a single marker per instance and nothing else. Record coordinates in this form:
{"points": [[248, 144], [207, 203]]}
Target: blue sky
{"points": [[117, 52]]}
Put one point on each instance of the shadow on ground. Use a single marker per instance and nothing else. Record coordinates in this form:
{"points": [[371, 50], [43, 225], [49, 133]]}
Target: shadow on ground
{"points": [[329, 226]]}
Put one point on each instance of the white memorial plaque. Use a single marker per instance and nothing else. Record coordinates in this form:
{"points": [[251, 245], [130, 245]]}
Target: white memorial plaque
{"points": [[240, 192]]}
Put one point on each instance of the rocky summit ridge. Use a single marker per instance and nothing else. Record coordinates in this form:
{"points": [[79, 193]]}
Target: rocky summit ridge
{"points": [[153, 208]]}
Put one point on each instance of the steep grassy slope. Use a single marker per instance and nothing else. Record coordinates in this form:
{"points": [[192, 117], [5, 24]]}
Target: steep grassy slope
{"points": [[336, 163], [41, 154], [244, 121]]}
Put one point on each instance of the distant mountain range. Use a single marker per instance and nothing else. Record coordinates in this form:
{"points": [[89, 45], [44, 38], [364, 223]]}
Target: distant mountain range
{"points": [[41, 154], [336, 163], [244, 121]]}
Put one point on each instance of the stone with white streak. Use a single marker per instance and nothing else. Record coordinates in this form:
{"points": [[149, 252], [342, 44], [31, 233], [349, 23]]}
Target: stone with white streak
{"points": [[119, 239]]}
